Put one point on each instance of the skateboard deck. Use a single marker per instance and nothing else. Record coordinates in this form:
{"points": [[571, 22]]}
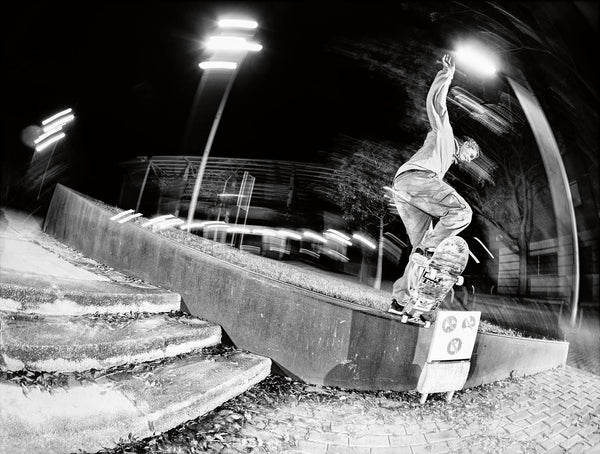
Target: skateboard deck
{"points": [[432, 282]]}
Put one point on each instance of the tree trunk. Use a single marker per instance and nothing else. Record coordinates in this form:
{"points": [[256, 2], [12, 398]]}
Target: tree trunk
{"points": [[377, 283]]}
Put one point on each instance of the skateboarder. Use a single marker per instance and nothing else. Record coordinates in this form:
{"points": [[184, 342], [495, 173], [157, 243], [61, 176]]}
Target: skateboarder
{"points": [[421, 196]]}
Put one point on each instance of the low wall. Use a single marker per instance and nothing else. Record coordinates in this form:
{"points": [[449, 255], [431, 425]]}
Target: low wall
{"points": [[309, 336]]}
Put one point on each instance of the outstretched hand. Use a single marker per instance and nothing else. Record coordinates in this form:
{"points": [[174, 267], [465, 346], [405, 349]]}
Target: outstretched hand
{"points": [[448, 63]]}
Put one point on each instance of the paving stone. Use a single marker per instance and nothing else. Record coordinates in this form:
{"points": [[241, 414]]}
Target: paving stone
{"points": [[553, 441], [533, 419], [311, 447], [370, 440], [385, 429], [443, 435], [432, 448], [518, 416], [407, 440], [336, 449], [333, 438], [394, 450]]}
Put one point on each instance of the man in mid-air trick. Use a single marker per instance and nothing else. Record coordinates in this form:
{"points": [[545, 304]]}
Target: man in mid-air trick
{"points": [[420, 194]]}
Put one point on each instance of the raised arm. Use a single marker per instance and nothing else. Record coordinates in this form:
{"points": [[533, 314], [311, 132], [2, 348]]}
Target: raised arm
{"points": [[436, 98]]}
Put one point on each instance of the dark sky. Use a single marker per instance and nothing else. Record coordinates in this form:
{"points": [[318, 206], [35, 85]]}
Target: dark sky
{"points": [[130, 72]]}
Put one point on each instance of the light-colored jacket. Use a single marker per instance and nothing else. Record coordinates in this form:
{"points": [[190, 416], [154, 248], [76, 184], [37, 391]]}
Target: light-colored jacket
{"points": [[437, 152]]}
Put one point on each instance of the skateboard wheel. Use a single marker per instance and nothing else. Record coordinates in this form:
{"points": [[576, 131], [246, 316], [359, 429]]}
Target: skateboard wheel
{"points": [[460, 280], [427, 324], [404, 319]]}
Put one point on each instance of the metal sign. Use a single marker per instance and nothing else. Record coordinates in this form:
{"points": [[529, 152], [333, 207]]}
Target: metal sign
{"points": [[454, 334]]}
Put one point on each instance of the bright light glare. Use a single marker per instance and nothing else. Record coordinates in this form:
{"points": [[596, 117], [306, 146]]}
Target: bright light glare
{"points": [[218, 65], [47, 134], [201, 225], [55, 116], [231, 43], [364, 240], [475, 59], [168, 223], [156, 220], [129, 218], [58, 122], [121, 214], [286, 233], [338, 233], [50, 141], [237, 23], [314, 236]]}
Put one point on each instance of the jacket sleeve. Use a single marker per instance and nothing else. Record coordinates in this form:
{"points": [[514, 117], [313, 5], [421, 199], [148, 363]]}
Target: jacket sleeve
{"points": [[436, 100]]}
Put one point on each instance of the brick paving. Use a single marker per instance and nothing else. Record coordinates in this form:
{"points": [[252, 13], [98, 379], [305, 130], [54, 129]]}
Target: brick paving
{"points": [[556, 411]]}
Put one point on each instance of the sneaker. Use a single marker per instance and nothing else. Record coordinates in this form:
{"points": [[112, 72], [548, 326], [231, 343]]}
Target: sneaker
{"points": [[429, 316], [395, 307], [422, 257]]}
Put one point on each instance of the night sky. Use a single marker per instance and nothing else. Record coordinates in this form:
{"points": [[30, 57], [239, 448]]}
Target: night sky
{"points": [[130, 72]]}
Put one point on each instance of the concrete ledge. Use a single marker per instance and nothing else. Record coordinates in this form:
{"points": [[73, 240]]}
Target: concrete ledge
{"points": [[57, 343], [92, 416], [309, 336]]}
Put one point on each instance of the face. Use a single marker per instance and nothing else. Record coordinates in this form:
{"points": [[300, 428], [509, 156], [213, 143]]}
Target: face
{"points": [[466, 153]]}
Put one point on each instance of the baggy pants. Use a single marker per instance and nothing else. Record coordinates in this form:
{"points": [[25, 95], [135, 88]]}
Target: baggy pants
{"points": [[421, 198]]}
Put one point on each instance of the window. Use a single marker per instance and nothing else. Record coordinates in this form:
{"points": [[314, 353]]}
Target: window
{"points": [[543, 265]]}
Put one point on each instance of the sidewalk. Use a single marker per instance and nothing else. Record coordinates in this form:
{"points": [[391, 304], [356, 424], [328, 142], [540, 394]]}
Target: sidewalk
{"points": [[552, 412]]}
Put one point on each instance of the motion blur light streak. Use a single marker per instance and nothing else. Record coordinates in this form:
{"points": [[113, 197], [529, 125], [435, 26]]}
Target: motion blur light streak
{"points": [[338, 233], [55, 116], [364, 240], [168, 224], [42, 146], [237, 23], [213, 64], [120, 215], [157, 220], [47, 134], [483, 245], [231, 43], [129, 218], [59, 122], [314, 236]]}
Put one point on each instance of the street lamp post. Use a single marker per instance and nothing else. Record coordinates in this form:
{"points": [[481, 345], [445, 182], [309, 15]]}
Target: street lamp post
{"points": [[237, 46], [560, 190]]}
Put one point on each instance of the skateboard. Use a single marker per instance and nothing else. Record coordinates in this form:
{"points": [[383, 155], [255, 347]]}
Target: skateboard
{"points": [[432, 280]]}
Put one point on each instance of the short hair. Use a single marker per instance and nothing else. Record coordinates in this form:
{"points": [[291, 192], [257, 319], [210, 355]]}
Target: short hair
{"points": [[472, 143]]}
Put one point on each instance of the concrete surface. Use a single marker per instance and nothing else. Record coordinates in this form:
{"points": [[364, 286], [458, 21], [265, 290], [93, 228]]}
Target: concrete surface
{"points": [[310, 336], [51, 343], [40, 279], [93, 415]]}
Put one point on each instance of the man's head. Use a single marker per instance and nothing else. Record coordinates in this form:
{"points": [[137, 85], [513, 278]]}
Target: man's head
{"points": [[467, 150]]}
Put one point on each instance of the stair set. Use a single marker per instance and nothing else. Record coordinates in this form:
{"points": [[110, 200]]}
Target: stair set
{"points": [[153, 367]]}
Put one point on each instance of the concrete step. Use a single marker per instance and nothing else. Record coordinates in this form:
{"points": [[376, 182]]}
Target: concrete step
{"points": [[50, 295], [77, 343], [90, 416]]}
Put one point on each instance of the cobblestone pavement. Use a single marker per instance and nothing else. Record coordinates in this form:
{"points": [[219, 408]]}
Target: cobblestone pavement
{"points": [[556, 411]]}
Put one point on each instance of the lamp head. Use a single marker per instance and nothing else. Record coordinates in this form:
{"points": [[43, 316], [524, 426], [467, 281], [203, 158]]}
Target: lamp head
{"points": [[476, 59]]}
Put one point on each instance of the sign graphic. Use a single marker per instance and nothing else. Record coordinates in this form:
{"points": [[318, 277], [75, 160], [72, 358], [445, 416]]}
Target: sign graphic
{"points": [[454, 334]]}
